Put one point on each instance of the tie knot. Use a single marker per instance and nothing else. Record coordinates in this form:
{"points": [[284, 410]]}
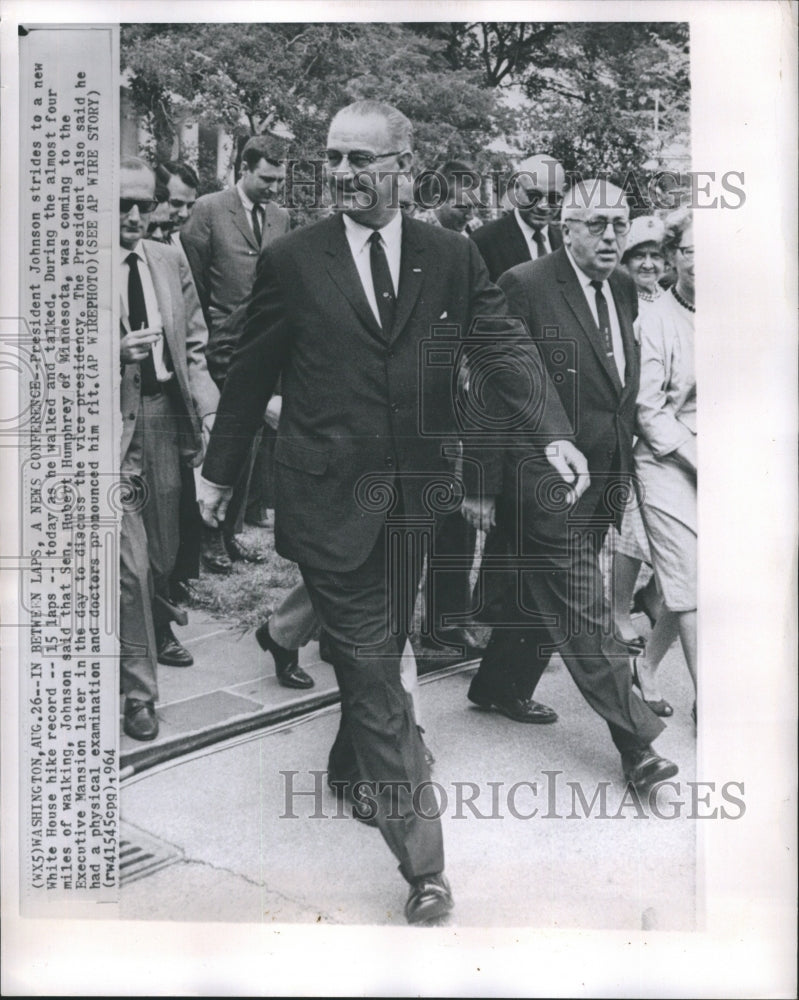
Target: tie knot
{"points": [[376, 239], [597, 285], [132, 259]]}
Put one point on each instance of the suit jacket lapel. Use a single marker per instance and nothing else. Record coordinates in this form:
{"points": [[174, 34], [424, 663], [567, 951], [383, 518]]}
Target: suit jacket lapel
{"points": [[411, 274], [240, 218], [517, 248], [177, 349], [341, 268], [574, 296]]}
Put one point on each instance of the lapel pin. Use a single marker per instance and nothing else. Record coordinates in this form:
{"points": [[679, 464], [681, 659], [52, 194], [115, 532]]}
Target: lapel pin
{"points": [[417, 270], [443, 315]]}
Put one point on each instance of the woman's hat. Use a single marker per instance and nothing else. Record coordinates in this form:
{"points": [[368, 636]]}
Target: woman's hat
{"points": [[644, 229]]}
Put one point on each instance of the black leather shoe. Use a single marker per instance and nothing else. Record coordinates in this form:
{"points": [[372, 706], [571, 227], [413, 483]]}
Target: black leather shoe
{"points": [[287, 668], [518, 709], [140, 722], [171, 652], [362, 809], [214, 556], [239, 550], [429, 900], [644, 769]]}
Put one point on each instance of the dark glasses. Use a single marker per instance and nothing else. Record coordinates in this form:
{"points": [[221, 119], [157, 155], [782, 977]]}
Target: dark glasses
{"points": [[527, 199], [358, 159], [144, 206]]}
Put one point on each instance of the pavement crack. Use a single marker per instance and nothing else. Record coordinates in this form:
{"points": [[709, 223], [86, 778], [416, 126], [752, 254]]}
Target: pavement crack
{"points": [[263, 887]]}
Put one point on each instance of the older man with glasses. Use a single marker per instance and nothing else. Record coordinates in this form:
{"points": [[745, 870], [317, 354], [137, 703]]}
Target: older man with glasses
{"points": [[579, 310], [530, 231], [343, 310]]}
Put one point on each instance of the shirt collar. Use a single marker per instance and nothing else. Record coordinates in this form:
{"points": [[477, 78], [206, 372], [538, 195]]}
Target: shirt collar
{"points": [[248, 205], [358, 235], [528, 230], [138, 250], [584, 279]]}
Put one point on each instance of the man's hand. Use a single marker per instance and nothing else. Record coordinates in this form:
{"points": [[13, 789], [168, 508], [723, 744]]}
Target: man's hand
{"points": [[571, 464], [213, 502], [480, 513], [272, 415], [136, 345]]}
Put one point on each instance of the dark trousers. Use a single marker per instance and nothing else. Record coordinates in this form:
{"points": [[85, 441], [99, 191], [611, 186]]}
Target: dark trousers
{"points": [[234, 518], [161, 513], [378, 739], [559, 606], [137, 653], [449, 567]]}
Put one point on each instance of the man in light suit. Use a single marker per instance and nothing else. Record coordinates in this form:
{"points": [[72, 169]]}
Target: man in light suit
{"points": [[166, 395], [342, 311], [530, 230], [579, 310], [222, 239]]}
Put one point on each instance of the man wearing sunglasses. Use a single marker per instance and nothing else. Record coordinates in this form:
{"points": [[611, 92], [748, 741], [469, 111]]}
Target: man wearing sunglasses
{"points": [[580, 311], [530, 231], [341, 311], [165, 395]]}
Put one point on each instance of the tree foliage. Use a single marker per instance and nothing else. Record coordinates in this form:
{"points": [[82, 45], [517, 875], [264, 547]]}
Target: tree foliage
{"points": [[602, 97]]}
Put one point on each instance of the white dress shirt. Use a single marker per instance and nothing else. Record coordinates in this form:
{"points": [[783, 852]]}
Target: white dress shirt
{"points": [[358, 239], [615, 328], [248, 207], [154, 321], [529, 232]]}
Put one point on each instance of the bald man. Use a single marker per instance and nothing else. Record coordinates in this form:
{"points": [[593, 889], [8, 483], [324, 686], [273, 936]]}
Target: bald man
{"points": [[530, 230], [579, 309]]}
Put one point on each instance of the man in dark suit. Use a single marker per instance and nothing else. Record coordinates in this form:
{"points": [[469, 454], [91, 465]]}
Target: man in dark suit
{"points": [[165, 395], [530, 230], [580, 311], [343, 310], [222, 239]]}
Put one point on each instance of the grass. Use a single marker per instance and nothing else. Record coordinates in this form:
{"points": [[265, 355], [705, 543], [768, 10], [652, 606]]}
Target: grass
{"points": [[253, 590]]}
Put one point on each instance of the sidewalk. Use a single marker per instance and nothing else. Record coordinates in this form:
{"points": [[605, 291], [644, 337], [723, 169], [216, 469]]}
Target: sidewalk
{"points": [[231, 689]]}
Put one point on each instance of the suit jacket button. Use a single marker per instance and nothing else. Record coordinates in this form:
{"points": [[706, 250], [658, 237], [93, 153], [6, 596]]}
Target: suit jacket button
{"points": [[389, 462], [131, 416], [394, 407]]}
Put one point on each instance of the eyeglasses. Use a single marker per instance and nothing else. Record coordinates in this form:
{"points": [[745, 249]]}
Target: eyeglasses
{"points": [[358, 159], [597, 227], [144, 206], [526, 199], [687, 252]]}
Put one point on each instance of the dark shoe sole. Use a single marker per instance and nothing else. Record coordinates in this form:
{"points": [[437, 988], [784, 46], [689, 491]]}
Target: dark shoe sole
{"points": [[295, 682], [488, 706], [167, 661]]}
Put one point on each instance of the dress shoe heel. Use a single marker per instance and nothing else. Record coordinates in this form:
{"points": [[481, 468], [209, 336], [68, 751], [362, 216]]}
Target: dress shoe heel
{"points": [[171, 652], [287, 667], [660, 707]]}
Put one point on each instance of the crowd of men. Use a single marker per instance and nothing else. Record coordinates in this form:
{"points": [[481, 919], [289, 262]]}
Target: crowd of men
{"points": [[250, 345]]}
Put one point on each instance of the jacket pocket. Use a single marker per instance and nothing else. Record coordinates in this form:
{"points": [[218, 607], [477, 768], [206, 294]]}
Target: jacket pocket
{"points": [[300, 457]]}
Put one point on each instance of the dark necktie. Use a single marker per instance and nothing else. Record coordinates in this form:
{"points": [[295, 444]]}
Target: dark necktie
{"points": [[137, 317], [383, 285], [540, 246], [256, 223], [604, 319]]}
